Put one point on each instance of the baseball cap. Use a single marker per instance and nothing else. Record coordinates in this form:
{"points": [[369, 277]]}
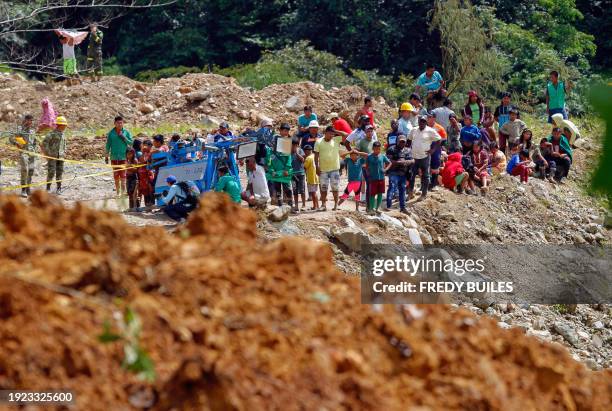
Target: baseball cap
{"points": [[224, 125], [369, 127], [333, 115], [401, 137], [171, 179], [313, 124], [423, 118], [431, 114]]}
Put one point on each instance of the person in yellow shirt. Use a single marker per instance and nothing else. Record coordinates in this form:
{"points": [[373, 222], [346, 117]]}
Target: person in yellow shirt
{"points": [[312, 179], [327, 159]]}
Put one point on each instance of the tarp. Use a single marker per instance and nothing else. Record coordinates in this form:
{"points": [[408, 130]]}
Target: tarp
{"points": [[77, 36]]}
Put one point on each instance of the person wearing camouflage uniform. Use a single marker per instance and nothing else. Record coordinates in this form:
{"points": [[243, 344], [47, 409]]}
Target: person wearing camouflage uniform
{"points": [[94, 52], [25, 139], [54, 145]]}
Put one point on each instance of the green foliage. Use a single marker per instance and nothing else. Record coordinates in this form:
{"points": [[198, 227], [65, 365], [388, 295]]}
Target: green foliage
{"points": [[259, 75], [112, 67], [149, 76], [603, 104], [135, 359], [469, 60]]}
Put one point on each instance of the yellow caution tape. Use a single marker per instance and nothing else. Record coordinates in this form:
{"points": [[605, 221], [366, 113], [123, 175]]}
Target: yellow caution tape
{"points": [[42, 183], [67, 160]]}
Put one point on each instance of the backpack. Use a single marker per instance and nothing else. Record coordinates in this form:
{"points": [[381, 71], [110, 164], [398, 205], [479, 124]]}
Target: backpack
{"points": [[192, 198], [466, 163]]}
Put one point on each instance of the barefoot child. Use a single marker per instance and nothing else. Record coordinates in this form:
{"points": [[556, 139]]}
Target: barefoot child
{"points": [[354, 167], [312, 179]]}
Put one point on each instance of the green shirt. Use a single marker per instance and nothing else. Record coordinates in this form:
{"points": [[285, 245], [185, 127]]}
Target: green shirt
{"points": [[277, 164], [228, 184], [475, 113], [54, 144], [115, 144], [365, 146], [556, 95]]}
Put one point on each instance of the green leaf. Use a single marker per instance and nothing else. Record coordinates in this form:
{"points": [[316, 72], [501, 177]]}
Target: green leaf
{"points": [[107, 335]]}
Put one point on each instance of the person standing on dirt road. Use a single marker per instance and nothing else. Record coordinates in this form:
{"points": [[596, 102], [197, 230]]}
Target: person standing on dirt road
{"points": [[25, 139], [94, 52], [54, 146], [327, 161], [118, 140]]}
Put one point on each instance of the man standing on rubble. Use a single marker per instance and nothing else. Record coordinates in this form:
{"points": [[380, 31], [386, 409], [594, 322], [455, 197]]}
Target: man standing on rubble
{"points": [[25, 139], [54, 146], [117, 142]]}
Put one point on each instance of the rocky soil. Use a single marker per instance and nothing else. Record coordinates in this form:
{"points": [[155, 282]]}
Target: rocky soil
{"points": [[191, 99], [275, 325]]}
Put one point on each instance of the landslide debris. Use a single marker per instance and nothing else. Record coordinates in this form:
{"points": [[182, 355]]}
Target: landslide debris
{"points": [[233, 323]]}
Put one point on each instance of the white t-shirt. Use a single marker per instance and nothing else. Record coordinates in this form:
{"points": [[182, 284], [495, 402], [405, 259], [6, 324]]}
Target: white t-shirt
{"points": [[421, 141], [258, 179], [67, 51], [442, 116]]}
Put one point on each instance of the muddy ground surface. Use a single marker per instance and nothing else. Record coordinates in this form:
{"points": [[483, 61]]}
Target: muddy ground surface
{"points": [[274, 326]]}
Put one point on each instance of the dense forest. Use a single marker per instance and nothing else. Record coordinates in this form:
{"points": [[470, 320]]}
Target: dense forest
{"points": [[492, 45]]}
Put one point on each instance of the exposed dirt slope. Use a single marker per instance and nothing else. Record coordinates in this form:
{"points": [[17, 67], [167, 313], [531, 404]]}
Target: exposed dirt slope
{"points": [[235, 324]]}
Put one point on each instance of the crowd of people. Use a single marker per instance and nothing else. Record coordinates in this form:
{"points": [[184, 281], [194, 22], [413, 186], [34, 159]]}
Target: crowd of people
{"points": [[429, 141]]}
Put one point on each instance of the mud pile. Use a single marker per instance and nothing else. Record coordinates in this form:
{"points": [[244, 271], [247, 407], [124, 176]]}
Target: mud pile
{"points": [[185, 100], [232, 323]]}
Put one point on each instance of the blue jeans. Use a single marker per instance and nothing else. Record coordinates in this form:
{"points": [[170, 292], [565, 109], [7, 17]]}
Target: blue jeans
{"points": [[397, 184], [555, 111]]}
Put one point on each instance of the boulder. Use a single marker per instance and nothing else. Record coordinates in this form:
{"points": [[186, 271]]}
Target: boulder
{"points": [[293, 104], [280, 213], [567, 332], [197, 96], [141, 87], [209, 121], [415, 237], [146, 108], [185, 89], [352, 237], [134, 93]]}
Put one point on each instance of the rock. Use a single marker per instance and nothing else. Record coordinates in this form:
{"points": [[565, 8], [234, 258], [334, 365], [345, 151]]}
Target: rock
{"points": [[351, 237], [141, 87], [592, 364], [293, 104], [185, 89], [415, 237], [209, 122], [503, 325], [541, 334], [197, 96], [146, 108], [583, 335], [409, 222], [592, 228], [287, 227], [426, 237], [567, 332], [598, 325], [387, 220], [538, 323], [8, 108], [280, 213], [597, 341], [490, 311], [134, 94]]}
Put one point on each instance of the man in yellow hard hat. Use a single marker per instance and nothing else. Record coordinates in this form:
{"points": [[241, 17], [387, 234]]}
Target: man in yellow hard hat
{"points": [[54, 145], [404, 124], [25, 139]]}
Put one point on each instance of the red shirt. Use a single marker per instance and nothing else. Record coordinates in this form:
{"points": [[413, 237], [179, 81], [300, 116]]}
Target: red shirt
{"points": [[452, 168], [369, 113], [342, 125]]}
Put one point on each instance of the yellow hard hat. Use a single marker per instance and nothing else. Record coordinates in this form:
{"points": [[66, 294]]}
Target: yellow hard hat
{"points": [[61, 121], [406, 107]]}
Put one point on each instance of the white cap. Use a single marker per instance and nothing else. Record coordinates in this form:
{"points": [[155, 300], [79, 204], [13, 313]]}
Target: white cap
{"points": [[314, 124]]}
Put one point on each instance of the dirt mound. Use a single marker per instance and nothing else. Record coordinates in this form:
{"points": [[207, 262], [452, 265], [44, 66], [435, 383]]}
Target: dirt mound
{"points": [[77, 148], [185, 100], [231, 323]]}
